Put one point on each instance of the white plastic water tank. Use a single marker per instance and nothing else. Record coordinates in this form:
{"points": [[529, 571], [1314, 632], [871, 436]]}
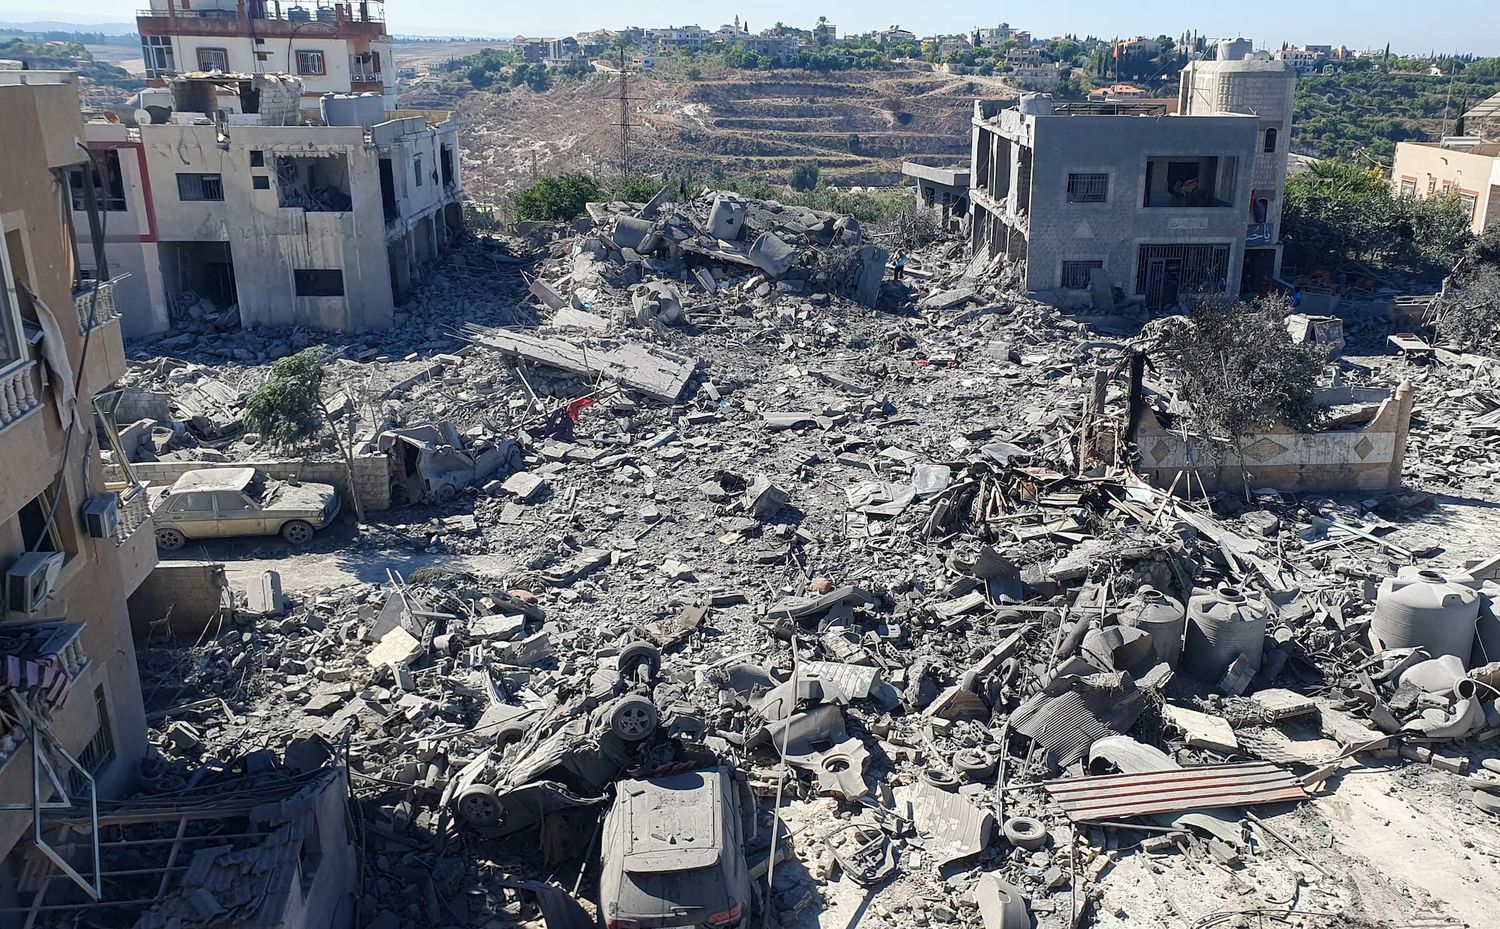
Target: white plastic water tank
{"points": [[1237, 49], [1036, 105], [340, 109], [1426, 609], [371, 109]]}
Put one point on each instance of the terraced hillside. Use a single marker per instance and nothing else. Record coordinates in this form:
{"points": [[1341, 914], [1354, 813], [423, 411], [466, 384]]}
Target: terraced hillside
{"points": [[858, 126]]}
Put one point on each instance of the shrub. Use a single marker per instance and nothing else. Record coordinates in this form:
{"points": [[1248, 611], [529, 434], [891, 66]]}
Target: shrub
{"points": [[805, 176], [559, 198]]}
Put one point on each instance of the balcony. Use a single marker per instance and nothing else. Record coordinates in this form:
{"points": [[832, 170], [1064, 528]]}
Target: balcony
{"points": [[95, 303], [39, 661], [135, 537], [19, 393], [134, 510]]}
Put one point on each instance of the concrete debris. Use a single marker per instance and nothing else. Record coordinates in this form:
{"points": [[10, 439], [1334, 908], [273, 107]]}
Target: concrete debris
{"points": [[677, 501]]}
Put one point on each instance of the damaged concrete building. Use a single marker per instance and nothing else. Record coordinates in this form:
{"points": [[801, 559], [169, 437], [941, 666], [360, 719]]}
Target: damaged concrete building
{"points": [[323, 225], [74, 548], [1123, 196]]}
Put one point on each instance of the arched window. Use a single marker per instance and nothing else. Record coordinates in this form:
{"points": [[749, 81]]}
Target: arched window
{"points": [[1271, 140]]}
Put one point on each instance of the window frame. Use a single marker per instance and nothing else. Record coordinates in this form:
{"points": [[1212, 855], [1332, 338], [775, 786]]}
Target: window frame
{"points": [[322, 62], [159, 55], [212, 50], [204, 185], [320, 286], [1272, 140], [1085, 187], [1087, 264]]}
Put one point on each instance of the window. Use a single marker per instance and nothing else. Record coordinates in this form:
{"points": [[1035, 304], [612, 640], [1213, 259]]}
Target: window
{"points": [[262, 56], [257, 158], [416, 164], [1077, 275], [261, 182], [200, 187], [1468, 202], [319, 283], [1447, 187], [1431, 185], [192, 503], [1088, 188], [230, 502], [213, 59], [157, 51], [38, 533], [109, 184], [1270, 140], [1408, 187], [310, 62], [364, 67]]}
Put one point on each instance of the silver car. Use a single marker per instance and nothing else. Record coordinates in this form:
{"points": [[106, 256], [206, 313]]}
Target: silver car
{"points": [[217, 503]]}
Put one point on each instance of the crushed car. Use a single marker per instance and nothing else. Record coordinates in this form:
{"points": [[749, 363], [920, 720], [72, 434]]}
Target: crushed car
{"points": [[570, 755], [673, 852], [433, 464]]}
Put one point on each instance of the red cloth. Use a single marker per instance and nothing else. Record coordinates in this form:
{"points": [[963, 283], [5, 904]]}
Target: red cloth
{"points": [[578, 406]]}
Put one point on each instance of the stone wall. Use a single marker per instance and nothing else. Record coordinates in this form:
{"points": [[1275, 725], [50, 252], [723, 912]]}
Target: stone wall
{"points": [[1368, 458], [184, 598], [371, 474]]}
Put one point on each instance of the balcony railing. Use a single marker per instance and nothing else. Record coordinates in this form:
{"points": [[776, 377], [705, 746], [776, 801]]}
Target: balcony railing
{"points": [[370, 11], [135, 510], [95, 303], [18, 393]]}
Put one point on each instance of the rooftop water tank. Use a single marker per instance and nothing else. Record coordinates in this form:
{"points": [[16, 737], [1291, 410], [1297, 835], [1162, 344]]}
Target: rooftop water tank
{"points": [[1426, 609], [1235, 49], [726, 218], [298, 14], [1036, 105], [1222, 625], [327, 14], [339, 109], [371, 109], [1160, 617]]}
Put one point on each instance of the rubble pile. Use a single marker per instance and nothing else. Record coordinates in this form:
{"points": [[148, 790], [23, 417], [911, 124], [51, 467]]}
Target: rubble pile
{"points": [[894, 570]]}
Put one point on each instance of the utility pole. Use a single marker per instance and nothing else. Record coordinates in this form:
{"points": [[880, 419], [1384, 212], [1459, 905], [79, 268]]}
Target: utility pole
{"points": [[625, 124]]}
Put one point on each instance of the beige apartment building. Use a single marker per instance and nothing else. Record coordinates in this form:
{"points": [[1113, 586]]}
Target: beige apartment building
{"points": [[1464, 165], [72, 548]]}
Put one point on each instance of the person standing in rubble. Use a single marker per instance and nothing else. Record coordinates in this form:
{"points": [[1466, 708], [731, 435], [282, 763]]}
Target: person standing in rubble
{"points": [[900, 264]]}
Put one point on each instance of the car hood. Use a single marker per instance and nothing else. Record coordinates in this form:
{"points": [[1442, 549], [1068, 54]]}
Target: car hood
{"points": [[301, 497]]}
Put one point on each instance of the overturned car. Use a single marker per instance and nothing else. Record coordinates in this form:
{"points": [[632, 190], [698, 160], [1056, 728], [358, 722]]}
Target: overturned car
{"points": [[433, 464]]}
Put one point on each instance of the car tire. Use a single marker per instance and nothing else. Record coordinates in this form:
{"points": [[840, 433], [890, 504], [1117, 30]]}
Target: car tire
{"points": [[297, 532], [479, 806], [447, 493], [1025, 832], [635, 655], [633, 718], [169, 539], [942, 780], [975, 764], [509, 734]]}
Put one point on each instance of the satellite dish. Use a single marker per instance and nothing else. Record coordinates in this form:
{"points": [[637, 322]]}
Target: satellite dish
{"points": [[142, 118]]}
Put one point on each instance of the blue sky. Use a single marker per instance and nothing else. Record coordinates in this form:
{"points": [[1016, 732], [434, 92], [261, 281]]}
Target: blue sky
{"points": [[1409, 25]]}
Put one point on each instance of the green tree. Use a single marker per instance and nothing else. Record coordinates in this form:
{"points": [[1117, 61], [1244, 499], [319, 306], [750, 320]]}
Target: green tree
{"points": [[805, 176], [289, 410], [559, 198]]}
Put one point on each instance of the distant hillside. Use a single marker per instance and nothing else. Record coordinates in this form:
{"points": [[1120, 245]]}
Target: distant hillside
{"points": [[53, 25]]}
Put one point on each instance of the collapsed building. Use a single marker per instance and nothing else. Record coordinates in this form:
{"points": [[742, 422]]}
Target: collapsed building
{"points": [[1120, 196], [287, 223]]}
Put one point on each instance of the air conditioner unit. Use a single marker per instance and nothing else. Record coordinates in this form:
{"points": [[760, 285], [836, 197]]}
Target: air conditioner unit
{"points": [[31, 581], [101, 515]]}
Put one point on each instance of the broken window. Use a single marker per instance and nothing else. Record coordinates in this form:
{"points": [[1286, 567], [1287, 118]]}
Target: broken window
{"points": [[200, 187], [257, 158], [157, 51], [38, 522], [109, 183], [416, 163], [100, 749], [1088, 188], [319, 282], [1270, 140], [1468, 202], [1190, 182], [260, 182], [447, 166], [388, 191], [1076, 275], [213, 59], [318, 183], [310, 62]]}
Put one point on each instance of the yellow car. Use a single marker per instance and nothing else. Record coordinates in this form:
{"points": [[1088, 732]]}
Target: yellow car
{"points": [[217, 503]]}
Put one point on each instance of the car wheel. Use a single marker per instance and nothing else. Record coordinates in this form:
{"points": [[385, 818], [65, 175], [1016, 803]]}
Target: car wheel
{"points": [[447, 493], [1025, 832], [479, 806], [976, 764], [170, 540], [297, 532], [509, 734], [942, 780], [635, 656], [633, 718]]}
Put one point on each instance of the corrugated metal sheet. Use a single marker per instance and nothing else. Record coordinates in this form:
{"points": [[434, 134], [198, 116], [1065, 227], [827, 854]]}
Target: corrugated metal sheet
{"points": [[1122, 796]]}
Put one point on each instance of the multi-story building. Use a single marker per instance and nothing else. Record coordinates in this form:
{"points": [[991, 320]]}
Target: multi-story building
{"points": [[339, 47], [1244, 81], [317, 225], [1462, 166], [677, 38], [1302, 60], [1077, 196], [72, 547], [1153, 203]]}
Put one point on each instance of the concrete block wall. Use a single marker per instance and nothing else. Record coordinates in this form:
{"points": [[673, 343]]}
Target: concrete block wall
{"points": [[184, 598], [371, 474]]}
